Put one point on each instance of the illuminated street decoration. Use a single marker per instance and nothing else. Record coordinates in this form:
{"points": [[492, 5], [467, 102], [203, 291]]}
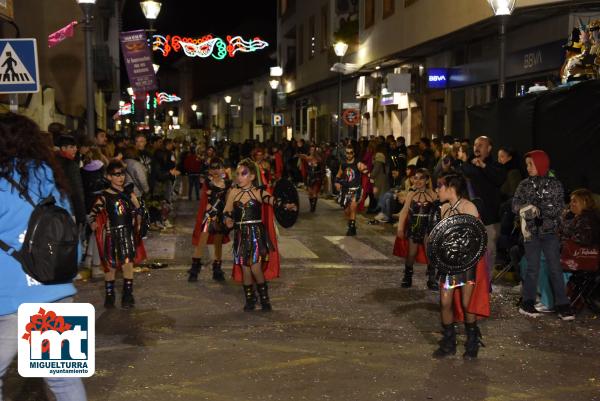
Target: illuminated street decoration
{"points": [[206, 46], [164, 97]]}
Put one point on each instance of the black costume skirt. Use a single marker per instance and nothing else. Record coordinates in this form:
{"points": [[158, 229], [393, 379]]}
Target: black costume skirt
{"points": [[417, 228], [251, 244], [346, 196], [450, 281], [119, 246]]}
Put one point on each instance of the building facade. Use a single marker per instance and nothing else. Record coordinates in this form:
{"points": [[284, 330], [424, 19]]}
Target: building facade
{"points": [[419, 64]]}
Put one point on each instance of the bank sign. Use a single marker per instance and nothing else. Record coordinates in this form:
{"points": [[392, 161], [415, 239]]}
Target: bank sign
{"points": [[56, 340], [438, 78]]}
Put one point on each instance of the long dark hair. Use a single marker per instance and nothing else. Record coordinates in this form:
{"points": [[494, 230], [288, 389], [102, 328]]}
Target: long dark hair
{"points": [[22, 146]]}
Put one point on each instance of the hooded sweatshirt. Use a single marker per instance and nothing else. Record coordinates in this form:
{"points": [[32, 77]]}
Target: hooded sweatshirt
{"points": [[545, 193]]}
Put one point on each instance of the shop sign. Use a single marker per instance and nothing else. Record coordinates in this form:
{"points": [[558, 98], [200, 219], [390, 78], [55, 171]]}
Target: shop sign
{"points": [[535, 59], [438, 78]]}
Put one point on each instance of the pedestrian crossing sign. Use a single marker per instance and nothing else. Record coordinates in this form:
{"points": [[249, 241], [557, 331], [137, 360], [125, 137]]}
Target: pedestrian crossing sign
{"points": [[19, 66]]}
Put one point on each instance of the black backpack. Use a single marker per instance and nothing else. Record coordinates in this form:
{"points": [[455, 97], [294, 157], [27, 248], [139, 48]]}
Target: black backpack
{"points": [[49, 251]]}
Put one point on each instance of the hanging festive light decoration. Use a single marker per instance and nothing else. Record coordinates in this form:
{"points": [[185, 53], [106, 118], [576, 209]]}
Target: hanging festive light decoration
{"points": [[164, 97], [206, 46]]}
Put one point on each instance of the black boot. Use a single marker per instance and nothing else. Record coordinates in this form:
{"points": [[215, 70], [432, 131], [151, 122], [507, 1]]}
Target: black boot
{"points": [[263, 293], [447, 343], [473, 341], [109, 300], [250, 298], [351, 228], [218, 274], [194, 270], [127, 300], [313, 204], [407, 279], [432, 283]]}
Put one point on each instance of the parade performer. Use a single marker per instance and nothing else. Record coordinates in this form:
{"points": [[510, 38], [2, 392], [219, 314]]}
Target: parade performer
{"points": [[464, 294], [413, 225], [348, 184], [209, 228], [314, 176], [255, 254], [117, 218], [258, 155]]}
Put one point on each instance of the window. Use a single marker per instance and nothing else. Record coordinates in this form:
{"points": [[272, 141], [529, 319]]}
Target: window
{"points": [[312, 39], [369, 13], [325, 28], [300, 47], [388, 7]]}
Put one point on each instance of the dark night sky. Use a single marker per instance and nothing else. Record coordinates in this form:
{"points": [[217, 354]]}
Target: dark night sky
{"points": [[248, 18]]}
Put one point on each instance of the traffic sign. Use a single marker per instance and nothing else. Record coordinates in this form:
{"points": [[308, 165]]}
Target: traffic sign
{"points": [[19, 66], [351, 116], [277, 120]]}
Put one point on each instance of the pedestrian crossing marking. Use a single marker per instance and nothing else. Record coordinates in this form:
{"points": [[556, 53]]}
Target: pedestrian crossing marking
{"points": [[12, 69], [291, 248], [356, 249]]}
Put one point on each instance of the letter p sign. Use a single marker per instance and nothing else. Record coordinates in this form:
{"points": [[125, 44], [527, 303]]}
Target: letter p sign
{"points": [[277, 120]]}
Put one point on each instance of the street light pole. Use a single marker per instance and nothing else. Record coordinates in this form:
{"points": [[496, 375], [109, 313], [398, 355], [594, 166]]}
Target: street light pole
{"points": [[227, 101], [151, 9], [87, 6], [340, 49], [502, 9], [502, 56]]}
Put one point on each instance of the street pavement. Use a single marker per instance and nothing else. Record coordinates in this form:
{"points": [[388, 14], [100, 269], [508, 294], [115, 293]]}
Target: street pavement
{"points": [[342, 329]]}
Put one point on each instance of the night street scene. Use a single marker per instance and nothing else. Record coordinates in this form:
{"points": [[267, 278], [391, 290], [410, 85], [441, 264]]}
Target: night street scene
{"points": [[336, 200]]}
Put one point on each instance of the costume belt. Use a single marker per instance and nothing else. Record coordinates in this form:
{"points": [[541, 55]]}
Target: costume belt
{"points": [[421, 215], [249, 222]]}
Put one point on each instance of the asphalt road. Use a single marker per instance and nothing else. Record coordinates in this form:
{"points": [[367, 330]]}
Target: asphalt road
{"points": [[342, 329]]}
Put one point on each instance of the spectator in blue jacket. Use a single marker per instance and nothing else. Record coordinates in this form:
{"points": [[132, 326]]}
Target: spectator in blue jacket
{"points": [[26, 159]]}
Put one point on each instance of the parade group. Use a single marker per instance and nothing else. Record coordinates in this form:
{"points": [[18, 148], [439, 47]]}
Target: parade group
{"points": [[454, 205]]}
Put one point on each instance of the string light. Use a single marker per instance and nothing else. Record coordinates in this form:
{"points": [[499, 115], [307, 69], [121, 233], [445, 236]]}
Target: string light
{"points": [[206, 46]]}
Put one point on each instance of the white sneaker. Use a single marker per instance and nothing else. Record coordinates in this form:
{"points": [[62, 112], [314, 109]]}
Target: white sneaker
{"points": [[543, 308], [379, 216], [167, 224]]}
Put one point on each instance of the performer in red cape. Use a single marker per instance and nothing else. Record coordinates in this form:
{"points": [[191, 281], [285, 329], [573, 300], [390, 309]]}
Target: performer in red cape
{"points": [[277, 158], [314, 175], [413, 224], [255, 254], [463, 296], [116, 219], [209, 228]]}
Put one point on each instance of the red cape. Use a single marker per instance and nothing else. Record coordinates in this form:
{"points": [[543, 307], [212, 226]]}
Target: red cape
{"points": [[278, 166], [140, 250], [401, 250], [271, 267], [200, 216], [480, 299]]}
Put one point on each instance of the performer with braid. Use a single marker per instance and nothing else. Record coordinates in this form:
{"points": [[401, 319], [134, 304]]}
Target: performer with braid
{"points": [[314, 176], [255, 255], [348, 183], [209, 228], [413, 224], [117, 217], [464, 296]]}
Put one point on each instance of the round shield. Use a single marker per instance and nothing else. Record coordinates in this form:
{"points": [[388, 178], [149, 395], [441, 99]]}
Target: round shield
{"points": [[286, 191], [456, 243]]}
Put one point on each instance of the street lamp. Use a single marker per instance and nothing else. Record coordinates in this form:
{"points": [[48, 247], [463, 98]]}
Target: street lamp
{"points": [[227, 101], [502, 9], [87, 6], [194, 107], [151, 9], [340, 48]]}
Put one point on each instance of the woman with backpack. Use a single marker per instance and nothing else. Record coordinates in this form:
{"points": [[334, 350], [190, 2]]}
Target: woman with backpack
{"points": [[26, 160]]}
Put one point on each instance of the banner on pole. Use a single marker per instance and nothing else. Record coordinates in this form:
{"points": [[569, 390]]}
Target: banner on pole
{"points": [[62, 34], [138, 60]]}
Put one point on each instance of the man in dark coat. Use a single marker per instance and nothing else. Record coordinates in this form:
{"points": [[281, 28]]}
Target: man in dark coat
{"points": [[67, 157], [486, 176]]}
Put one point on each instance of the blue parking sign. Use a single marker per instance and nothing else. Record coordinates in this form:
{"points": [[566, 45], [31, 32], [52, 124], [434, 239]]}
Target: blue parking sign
{"points": [[19, 66]]}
